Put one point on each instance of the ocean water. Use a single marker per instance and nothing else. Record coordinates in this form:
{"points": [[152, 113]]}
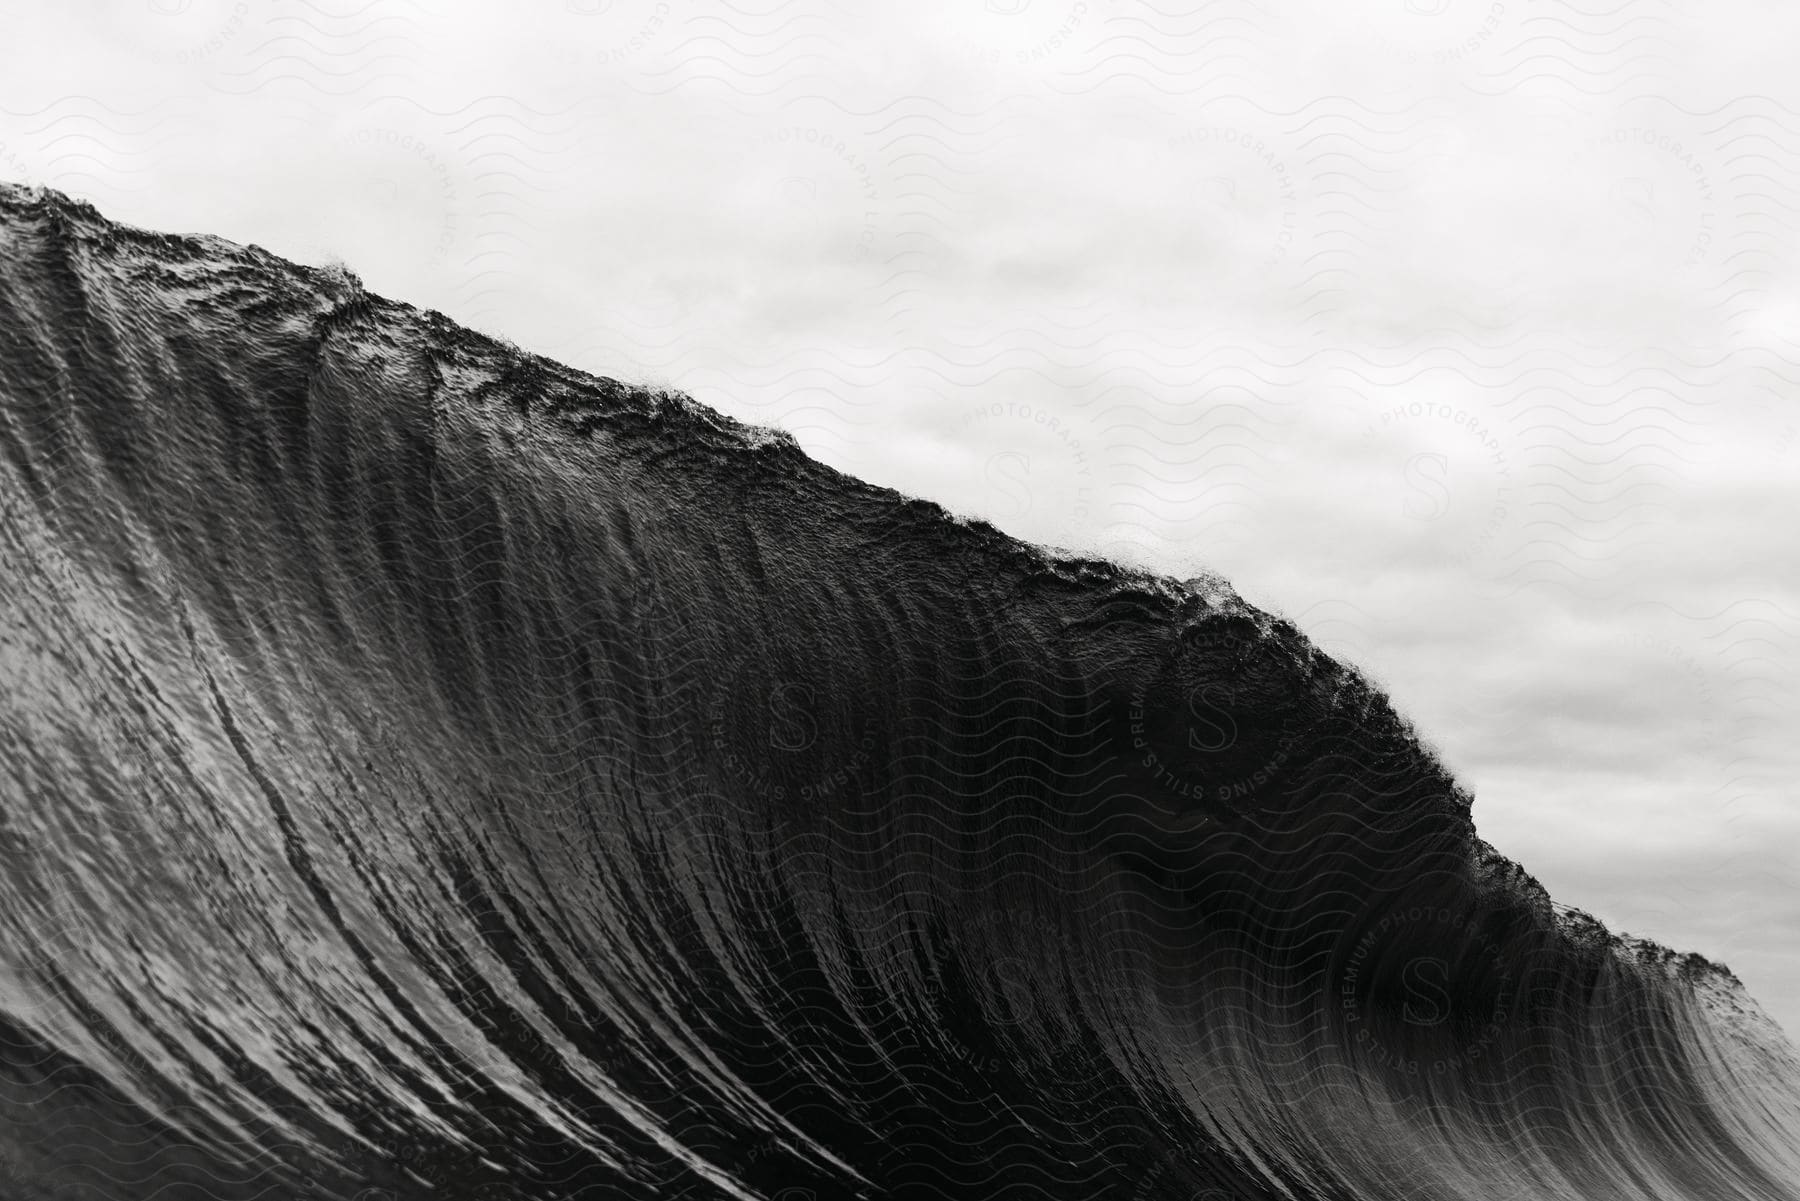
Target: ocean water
{"points": [[430, 771]]}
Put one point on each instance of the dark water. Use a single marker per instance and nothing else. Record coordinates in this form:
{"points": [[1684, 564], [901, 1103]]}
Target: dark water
{"points": [[429, 771]]}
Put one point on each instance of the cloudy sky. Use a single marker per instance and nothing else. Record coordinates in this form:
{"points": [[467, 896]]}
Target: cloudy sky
{"points": [[1464, 332]]}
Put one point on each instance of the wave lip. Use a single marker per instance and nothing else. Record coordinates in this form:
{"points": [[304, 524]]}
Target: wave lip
{"points": [[434, 771]]}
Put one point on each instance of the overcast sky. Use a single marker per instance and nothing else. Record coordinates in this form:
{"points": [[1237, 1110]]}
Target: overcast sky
{"points": [[1463, 332]]}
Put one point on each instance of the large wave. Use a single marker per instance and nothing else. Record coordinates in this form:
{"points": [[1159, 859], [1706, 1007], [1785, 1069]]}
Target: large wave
{"points": [[432, 771]]}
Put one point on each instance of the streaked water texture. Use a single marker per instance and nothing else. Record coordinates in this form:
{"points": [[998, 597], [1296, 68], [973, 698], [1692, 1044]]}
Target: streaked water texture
{"points": [[430, 771]]}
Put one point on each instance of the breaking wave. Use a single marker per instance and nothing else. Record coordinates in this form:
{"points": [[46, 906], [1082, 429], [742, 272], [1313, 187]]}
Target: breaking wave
{"points": [[431, 771]]}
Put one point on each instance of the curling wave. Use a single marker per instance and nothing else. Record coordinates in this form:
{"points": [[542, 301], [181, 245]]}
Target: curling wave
{"points": [[430, 771]]}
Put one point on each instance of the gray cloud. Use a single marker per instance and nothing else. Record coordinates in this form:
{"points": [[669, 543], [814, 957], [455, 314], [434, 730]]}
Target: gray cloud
{"points": [[1467, 343]]}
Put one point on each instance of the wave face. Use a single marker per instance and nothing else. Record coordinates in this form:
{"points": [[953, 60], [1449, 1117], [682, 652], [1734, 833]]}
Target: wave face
{"points": [[430, 771]]}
